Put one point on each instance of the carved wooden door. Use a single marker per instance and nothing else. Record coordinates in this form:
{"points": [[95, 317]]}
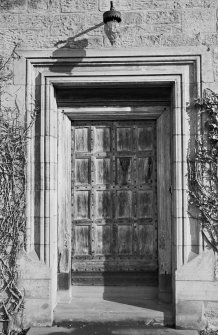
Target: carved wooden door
{"points": [[114, 226]]}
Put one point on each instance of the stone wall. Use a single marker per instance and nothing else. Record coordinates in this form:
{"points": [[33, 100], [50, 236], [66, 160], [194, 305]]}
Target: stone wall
{"points": [[56, 24], [155, 23]]}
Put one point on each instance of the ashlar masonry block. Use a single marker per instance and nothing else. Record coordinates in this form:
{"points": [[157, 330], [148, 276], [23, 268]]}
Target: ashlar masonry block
{"points": [[9, 21], [179, 39], [153, 4], [78, 5], [68, 25], [34, 21], [54, 6], [199, 20], [196, 292], [119, 4], [13, 5], [129, 18], [157, 17], [194, 4], [35, 278], [199, 269], [190, 314], [35, 6]]}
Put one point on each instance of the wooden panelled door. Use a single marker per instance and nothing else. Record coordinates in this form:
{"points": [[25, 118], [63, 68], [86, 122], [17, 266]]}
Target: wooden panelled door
{"points": [[114, 210]]}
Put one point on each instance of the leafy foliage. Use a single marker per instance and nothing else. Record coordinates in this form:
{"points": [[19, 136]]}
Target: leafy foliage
{"points": [[203, 169], [208, 332]]}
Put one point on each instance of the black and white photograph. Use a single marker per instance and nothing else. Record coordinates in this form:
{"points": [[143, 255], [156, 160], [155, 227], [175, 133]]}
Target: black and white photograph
{"points": [[108, 167]]}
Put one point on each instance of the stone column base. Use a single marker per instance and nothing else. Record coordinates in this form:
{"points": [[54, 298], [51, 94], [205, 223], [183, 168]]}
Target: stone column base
{"points": [[197, 292], [36, 279]]}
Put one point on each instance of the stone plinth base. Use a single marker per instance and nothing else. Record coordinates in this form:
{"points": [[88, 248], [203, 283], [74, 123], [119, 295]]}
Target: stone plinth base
{"points": [[36, 280], [197, 292]]}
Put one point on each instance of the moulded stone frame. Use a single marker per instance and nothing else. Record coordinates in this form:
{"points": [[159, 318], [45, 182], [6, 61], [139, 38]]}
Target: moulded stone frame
{"points": [[182, 69]]}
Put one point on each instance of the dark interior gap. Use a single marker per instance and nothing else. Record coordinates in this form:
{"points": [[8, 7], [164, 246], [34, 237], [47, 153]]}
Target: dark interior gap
{"points": [[112, 96]]}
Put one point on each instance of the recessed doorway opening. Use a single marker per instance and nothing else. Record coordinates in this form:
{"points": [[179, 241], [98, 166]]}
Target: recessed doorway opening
{"points": [[120, 169]]}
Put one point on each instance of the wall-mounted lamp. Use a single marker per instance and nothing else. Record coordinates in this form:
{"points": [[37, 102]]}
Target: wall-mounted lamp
{"points": [[112, 19]]}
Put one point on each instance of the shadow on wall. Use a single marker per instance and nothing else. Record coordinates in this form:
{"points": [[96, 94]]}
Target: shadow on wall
{"points": [[75, 42]]}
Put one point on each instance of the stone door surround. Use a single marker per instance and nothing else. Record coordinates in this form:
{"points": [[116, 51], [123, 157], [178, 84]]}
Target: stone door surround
{"points": [[40, 72]]}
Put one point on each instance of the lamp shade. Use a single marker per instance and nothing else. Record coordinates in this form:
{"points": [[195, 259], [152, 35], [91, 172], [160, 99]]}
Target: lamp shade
{"points": [[112, 15]]}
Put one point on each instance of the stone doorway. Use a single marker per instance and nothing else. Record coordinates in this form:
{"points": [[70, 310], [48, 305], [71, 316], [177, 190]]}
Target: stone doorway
{"points": [[44, 74], [121, 177], [122, 123]]}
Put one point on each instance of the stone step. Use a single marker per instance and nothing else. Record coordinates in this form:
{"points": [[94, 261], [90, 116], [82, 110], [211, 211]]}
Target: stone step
{"points": [[115, 278], [118, 292], [108, 329], [114, 304]]}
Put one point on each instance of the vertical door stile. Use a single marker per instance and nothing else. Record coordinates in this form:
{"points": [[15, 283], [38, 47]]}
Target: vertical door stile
{"points": [[114, 226], [155, 205], [92, 200], [134, 176], [73, 189]]}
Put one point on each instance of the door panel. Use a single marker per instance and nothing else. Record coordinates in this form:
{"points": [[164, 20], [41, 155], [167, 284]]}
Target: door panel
{"points": [[82, 171], [82, 240], [82, 137], [114, 221], [82, 207], [103, 239]]}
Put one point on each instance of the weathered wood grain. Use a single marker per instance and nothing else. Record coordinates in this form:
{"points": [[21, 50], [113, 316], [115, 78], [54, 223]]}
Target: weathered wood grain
{"points": [[145, 138], [124, 204], [82, 240], [164, 189], [144, 167], [82, 139], [124, 139], [103, 204], [145, 204], [103, 171], [103, 240], [82, 171], [102, 139], [82, 207], [114, 196]]}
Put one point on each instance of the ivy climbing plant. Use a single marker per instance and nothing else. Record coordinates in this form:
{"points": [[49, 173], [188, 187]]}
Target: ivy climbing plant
{"points": [[13, 140], [203, 169]]}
